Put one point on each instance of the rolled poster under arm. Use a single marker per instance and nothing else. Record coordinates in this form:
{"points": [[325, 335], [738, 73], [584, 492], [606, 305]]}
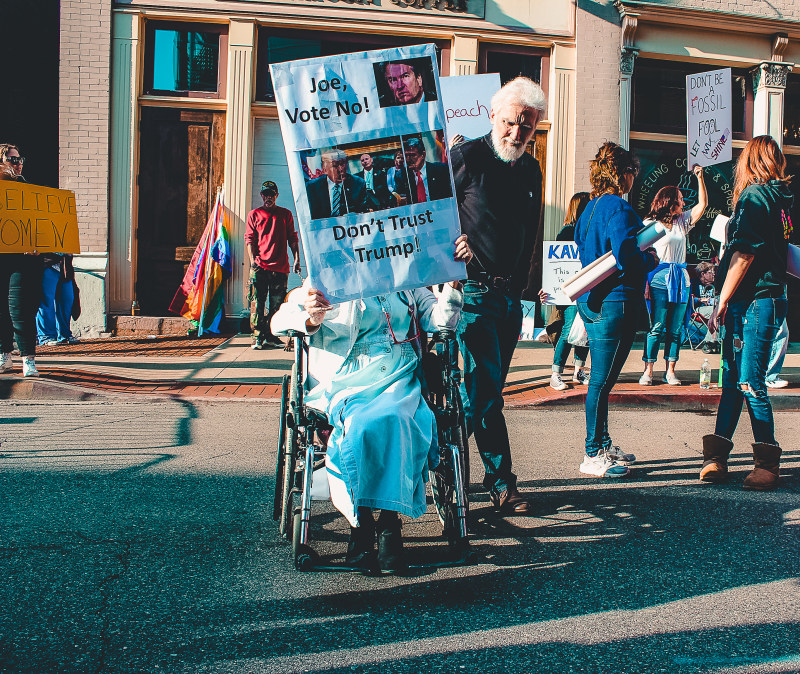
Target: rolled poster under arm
{"points": [[603, 267]]}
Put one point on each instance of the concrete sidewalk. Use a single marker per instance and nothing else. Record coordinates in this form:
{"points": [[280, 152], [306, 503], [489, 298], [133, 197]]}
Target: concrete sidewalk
{"points": [[227, 369]]}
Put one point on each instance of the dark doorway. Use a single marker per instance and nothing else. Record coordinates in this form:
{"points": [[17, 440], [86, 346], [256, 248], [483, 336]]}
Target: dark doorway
{"points": [[180, 167], [29, 114]]}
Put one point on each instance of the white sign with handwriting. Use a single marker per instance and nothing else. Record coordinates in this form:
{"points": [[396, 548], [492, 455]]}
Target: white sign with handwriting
{"points": [[560, 263], [709, 123], [467, 101]]}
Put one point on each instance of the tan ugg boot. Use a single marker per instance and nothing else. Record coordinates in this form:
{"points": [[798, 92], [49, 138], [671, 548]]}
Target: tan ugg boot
{"points": [[716, 450], [765, 475]]}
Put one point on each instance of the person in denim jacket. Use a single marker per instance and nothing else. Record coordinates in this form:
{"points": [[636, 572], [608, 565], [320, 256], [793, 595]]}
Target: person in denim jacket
{"points": [[612, 308]]}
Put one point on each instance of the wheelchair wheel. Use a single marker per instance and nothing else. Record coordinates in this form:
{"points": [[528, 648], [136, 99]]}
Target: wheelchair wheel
{"points": [[280, 462], [290, 449]]}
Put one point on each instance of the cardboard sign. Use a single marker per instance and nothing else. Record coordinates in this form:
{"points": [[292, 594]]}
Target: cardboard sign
{"points": [[36, 219], [367, 232], [559, 264], [709, 121], [467, 103]]}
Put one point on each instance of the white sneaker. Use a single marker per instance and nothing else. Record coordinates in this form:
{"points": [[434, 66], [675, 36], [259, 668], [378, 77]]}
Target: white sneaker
{"points": [[29, 367], [616, 454], [580, 376], [5, 362], [556, 382], [777, 383], [645, 380], [602, 466], [671, 379]]}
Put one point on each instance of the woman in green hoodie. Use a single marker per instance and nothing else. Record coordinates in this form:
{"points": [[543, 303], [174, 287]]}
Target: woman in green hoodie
{"points": [[751, 281]]}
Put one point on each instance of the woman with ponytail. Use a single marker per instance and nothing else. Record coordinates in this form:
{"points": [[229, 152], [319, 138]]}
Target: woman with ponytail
{"points": [[611, 309], [751, 281]]}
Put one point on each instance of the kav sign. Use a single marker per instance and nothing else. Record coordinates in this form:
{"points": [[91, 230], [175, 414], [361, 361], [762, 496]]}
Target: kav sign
{"points": [[709, 136], [560, 263]]}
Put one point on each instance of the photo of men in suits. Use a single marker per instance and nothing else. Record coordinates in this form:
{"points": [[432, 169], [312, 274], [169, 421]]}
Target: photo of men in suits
{"points": [[405, 82], [336, 192], [378, 196], [427, 181]]}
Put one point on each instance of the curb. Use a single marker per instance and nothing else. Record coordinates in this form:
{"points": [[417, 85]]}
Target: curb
{"points": [[65, 388]]}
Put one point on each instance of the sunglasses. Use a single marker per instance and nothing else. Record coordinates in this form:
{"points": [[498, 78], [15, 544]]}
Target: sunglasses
{"points": [[15, 161]]}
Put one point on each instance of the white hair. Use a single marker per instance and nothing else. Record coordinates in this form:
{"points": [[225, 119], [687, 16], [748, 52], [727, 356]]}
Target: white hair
{"points": [[332, 155], [521, 90]]}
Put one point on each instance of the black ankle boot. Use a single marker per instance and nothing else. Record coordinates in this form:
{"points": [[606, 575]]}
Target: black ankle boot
{"points": [[361, 546], [390, 543]]}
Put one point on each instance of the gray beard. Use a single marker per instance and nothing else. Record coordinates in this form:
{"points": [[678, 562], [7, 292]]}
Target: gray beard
{"points": [[504, 151]]}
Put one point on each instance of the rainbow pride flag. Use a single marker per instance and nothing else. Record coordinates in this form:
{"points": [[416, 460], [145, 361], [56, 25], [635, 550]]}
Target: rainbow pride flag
{"points": [[200, 297]]}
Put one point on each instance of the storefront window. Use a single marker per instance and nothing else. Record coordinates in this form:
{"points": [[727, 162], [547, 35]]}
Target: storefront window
{"points": [[183, 61], [282, 46], [663, 164], [513, 65], [658, 103], [791, 112]]}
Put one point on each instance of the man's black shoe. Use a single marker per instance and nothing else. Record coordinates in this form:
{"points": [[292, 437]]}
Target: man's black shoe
{"points": [[390, 546], [361, 547]]}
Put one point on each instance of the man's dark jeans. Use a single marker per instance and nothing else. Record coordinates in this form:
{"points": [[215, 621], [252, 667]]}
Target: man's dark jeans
{"points": [[267, 291], [750, 330], [488, 332], [611, 329]]}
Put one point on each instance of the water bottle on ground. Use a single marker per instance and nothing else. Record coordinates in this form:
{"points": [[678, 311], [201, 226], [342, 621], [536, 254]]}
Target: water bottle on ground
{"points": [[705, 374]]}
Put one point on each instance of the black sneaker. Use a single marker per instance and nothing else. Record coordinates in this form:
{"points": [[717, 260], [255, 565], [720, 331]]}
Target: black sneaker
{"points": [[390, 546]]}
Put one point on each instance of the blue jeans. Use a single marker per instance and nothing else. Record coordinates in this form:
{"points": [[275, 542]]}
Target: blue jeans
{"points": [[750, 331], [611, 330], [487, 334], [666, 318], [563, 346], [55, 308], [778, 352]]}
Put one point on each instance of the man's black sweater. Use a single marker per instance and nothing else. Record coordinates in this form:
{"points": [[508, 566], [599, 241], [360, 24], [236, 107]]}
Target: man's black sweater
{"points": [[498, 205]]}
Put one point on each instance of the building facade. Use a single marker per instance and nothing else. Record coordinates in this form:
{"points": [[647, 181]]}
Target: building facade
{"points": [[179, 102]]}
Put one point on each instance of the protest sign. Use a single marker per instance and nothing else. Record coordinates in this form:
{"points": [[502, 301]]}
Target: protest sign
{"points": [[37, 219], [467, 101], [709, 123], [367, 159], [560, 263]]}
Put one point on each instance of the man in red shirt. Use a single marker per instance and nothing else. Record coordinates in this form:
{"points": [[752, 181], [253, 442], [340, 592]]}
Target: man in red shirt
{"points": [[270, 229]]}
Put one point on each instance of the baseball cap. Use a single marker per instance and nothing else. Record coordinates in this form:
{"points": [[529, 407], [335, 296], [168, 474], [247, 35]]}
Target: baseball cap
{"points": [[269, 186]]}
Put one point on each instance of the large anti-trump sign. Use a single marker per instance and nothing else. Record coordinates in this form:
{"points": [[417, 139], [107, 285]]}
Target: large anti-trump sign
{"points": [[368, 162]]}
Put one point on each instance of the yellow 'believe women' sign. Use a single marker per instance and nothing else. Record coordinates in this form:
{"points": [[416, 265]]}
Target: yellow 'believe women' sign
{"points": [[36, 219]]}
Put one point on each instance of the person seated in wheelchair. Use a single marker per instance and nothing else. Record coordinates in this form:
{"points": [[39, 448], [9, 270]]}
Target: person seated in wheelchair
{"points": [[703, 297], [364, 375]]}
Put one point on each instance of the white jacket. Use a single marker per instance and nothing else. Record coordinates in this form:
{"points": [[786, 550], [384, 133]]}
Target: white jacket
{"points": [[331, 343]]}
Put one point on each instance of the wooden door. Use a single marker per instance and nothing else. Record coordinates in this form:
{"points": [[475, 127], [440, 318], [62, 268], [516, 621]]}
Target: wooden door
{"points": [[180, 167]]}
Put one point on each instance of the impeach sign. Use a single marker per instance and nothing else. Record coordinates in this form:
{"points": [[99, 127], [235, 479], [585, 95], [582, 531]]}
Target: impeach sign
{"points": [[37, 219]]}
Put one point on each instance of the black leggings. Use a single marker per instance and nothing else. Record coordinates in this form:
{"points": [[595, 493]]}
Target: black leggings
{"points": [[20, 293]]}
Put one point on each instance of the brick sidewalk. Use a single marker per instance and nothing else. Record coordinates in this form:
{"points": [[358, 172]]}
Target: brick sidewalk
{"points": [[157, 347]]}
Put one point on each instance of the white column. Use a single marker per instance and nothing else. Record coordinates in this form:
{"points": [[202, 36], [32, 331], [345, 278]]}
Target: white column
{"points": [[122, 235], [769, 83], [464, 60], [626, 63], [239, 154], [560, 172]]}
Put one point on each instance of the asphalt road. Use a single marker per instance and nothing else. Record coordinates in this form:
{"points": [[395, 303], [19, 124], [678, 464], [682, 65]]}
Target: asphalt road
{"points": [[136, 536]]}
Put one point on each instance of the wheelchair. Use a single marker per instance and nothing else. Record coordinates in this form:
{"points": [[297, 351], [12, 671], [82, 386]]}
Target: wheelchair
{"points": [[301, 452]]}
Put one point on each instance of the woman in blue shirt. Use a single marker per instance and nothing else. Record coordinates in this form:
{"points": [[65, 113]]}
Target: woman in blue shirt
{"points": [[611, 309]]}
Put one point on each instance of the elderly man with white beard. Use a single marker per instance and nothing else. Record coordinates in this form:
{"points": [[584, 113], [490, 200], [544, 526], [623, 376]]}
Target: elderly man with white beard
{"points": [[499, 193]]}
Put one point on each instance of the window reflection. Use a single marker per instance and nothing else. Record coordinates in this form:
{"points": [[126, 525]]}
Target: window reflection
{"points": [[185, 60], [791, 111]]}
